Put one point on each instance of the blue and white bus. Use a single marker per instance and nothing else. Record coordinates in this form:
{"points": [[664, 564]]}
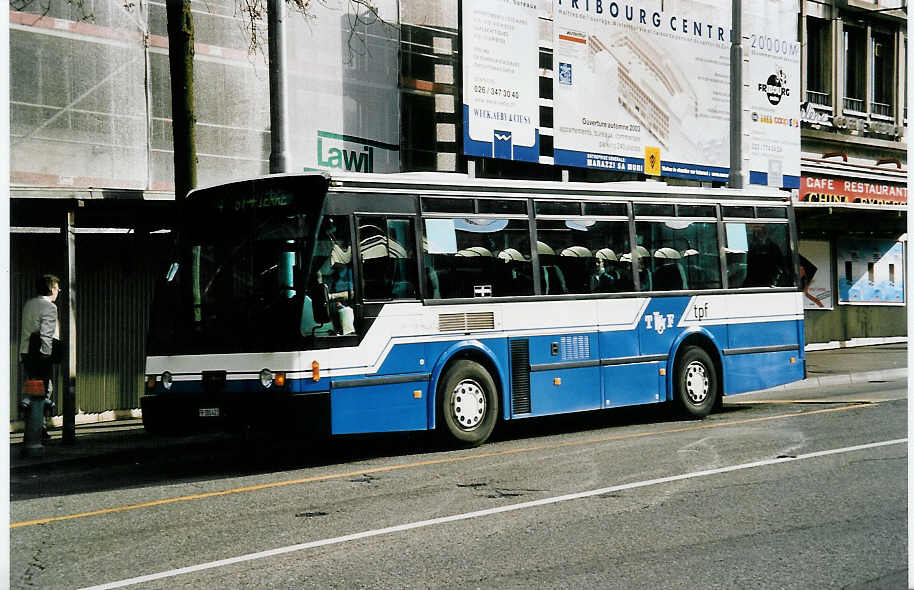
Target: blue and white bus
{"points": [[380, 303]]}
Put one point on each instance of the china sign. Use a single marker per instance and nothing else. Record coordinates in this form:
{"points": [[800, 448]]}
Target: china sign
{"points": [[816, 189]]}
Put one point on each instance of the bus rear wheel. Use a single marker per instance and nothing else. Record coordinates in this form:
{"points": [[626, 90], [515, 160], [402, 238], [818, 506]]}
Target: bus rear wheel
{"points": [[696, 384], [467, 404]]}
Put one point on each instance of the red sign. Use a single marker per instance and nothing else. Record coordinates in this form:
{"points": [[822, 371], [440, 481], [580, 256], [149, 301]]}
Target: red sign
{"points": [[818, 189]]}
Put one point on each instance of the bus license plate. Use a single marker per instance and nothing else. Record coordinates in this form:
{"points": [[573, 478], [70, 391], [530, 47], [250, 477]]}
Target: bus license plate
{"points": [[209, 412]]}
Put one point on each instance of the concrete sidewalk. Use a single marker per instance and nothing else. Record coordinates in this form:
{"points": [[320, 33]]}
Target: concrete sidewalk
{"points": [[109, 442]]}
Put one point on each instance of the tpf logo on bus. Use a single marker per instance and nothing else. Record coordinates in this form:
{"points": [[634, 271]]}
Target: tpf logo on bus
{"points": [[659, 322]]}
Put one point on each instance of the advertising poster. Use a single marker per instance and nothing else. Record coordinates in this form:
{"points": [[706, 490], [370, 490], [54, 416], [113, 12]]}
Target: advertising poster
{"points": [[643, 87], [870, 272], [501, 79], [771, 100], [815, 274], [343, 87]]}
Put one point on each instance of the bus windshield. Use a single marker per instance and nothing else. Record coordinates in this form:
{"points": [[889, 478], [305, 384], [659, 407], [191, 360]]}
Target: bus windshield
{"points": [[238, 280]]}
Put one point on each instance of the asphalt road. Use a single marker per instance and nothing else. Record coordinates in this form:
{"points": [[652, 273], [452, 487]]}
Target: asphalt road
{"points": [[790, 489]]}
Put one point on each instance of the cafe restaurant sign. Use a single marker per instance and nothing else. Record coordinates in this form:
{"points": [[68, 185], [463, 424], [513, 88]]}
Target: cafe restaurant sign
{"points": [[819, 189]]}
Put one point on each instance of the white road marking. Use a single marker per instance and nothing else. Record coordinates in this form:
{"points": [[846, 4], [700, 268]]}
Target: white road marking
{"points": [[480, 513]]}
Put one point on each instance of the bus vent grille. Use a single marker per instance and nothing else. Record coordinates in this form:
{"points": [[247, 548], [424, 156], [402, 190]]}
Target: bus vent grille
{"points": [[466, 322], [520, 377]]}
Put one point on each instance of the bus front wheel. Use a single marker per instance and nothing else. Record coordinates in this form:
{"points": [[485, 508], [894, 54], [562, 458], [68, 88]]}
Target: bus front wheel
{"points": [[696, 382], [467, 404]]}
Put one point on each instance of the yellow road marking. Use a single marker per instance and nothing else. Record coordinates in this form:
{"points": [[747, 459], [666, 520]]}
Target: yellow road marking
{"points": [[802, 401], [441, 461]]}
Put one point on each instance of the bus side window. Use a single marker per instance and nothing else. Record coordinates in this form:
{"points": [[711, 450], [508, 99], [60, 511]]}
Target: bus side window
{"points": [[679, 254], [479, 257], [578, 255], [765, 260], [388, 255]]}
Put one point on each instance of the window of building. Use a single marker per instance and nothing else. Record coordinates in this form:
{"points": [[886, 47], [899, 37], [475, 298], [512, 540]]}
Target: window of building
{"points": [[818, 61], [854, 68], [883, 74], [388, 255]]}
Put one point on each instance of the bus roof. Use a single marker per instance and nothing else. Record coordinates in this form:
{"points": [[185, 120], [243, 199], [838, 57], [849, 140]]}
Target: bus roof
{"points": [[453, 183]]}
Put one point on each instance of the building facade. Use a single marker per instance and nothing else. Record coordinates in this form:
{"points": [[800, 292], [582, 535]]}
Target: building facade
{"points": [[91, 160], [851, 206]]}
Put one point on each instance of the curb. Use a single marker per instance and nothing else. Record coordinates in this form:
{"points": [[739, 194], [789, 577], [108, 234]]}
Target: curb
{"points": [[844, 379], [98, 458]]}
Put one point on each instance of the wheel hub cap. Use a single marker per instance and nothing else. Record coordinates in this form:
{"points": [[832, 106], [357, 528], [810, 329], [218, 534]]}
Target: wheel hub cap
{"points": [[469, 404], [697, 385]]}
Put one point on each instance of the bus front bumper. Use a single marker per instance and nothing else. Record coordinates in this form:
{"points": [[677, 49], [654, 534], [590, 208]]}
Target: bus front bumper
{"points": [[294, 414]]}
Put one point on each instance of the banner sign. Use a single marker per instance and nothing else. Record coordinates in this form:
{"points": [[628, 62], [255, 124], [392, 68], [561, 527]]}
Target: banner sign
{"points": [[344, 96], [818, 189], [815, 274], [501, 79], [643, 87], [771, 99], [871, 272]]}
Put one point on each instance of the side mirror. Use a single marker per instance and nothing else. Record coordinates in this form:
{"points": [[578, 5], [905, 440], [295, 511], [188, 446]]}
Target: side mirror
{"points": [[320, 303]]}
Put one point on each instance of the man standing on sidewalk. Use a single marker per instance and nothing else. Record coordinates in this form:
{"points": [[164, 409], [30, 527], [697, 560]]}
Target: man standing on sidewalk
{"points": [[40, 332]]}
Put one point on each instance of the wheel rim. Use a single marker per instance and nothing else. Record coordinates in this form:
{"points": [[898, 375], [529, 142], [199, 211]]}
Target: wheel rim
{"points": [[697, 385], [468, 404]]}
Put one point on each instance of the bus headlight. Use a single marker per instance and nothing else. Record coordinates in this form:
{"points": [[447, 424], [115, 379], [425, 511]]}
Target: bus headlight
{"points": [[166, 380], [266, 378]]}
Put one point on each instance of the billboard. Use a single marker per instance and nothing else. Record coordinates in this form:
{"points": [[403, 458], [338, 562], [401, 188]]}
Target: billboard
{"points": [[643, 87], [771, 99], [501, 79], [870, 272], [344, 99]]}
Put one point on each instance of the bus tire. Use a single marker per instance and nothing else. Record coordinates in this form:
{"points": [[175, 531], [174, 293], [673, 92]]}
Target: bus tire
{"points": [[696, 384], [467, 404]]}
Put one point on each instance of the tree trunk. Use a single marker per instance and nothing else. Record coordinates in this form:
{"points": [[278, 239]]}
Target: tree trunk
{"points": [[181, 70]]}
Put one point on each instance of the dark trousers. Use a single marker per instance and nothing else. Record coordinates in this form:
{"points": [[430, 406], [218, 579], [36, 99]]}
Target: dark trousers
{"points": [[38, 366]]}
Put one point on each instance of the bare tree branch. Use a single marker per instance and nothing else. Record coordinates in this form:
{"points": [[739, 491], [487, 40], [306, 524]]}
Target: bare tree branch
{"points": [[83, 14], [360, 12]]}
